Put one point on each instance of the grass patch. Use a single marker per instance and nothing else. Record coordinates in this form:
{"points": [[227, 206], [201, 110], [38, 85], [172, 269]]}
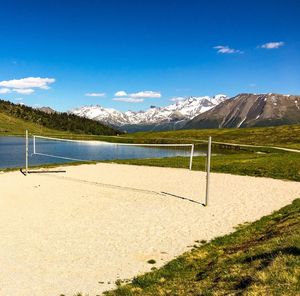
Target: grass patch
{"points": [[261, 258]]}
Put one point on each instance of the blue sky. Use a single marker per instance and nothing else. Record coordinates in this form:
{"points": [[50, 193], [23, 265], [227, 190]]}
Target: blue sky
{"points": [[151, 50]]}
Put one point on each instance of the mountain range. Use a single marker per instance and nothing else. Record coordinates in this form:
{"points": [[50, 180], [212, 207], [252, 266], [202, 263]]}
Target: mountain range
{"points": [[250, 110], [220, 111], [174, 116]]}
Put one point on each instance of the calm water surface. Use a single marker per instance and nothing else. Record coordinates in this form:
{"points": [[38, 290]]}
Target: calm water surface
{"points": [[12, 151]]}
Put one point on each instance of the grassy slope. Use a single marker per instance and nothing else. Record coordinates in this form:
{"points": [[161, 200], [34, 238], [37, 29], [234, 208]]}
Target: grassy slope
{"points": [[56, 121], [262, 258], [284, 136], [14, 126]]}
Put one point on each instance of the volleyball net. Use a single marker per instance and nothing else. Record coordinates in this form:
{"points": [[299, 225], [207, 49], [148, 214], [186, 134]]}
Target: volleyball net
{"points": [[86, 150], [42, 150]]}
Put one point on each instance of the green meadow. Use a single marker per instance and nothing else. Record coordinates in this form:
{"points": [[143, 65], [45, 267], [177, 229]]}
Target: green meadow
{"points": [[283, 136]]}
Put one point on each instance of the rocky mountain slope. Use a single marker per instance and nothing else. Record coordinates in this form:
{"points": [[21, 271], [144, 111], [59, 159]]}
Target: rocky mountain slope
{"points": [[247, 110], [47, 110], [173, 116]]}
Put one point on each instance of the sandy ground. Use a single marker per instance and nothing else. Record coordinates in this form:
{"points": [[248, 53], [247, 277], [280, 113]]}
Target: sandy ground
{"points": [[82, 230]]}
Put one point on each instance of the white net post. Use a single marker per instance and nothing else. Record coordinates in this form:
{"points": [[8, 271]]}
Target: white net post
{"points": [[208, 171], [26, 152], [191, 157], [33, 143]]}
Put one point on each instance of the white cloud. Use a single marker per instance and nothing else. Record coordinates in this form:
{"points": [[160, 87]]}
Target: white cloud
{"points": [[176, 99], [123, 96], [128, 100], [272, 45], [29, 82], [4, 90], [25, 85], [226, 49], [23, 91], [95, 94], [146, 94], [121, 93]]}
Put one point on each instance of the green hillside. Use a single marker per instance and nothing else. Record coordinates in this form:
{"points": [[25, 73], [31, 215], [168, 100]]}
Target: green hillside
{"points": [[284, 136], [10, 125], [43, 122]]}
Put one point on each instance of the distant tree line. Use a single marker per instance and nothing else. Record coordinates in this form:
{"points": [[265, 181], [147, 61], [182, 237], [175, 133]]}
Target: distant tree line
{"points": [[56, 120]]}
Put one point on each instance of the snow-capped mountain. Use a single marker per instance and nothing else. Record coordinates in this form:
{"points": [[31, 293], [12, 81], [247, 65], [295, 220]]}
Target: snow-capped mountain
{"points": [[249, 110], [177, 113]]}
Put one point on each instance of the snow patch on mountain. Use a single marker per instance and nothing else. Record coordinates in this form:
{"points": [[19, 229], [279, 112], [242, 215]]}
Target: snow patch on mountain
{"points": [[184, 109]]}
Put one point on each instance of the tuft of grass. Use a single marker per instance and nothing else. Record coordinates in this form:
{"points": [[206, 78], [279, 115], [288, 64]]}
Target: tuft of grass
{"points": [[261, 258]]}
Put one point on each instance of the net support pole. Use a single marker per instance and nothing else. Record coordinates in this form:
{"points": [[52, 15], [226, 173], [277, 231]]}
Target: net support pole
{"points": [[208, 171], [191, 157], [33, 142], [26, 152]]}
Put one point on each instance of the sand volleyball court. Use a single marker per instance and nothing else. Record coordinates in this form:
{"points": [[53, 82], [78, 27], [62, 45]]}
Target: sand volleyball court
{"points": [[82, 230]]}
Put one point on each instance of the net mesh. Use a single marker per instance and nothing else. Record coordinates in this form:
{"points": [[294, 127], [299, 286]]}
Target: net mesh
{"points": [[65, 150]]}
